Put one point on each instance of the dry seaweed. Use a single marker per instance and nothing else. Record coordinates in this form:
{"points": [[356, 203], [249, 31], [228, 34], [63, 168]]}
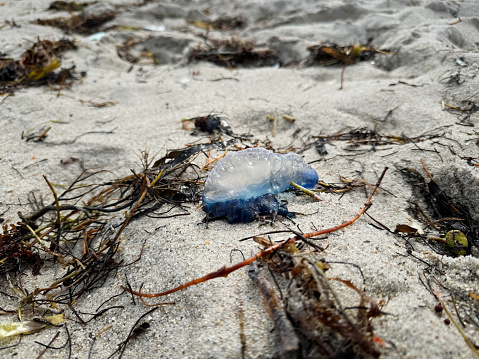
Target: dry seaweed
{"points": [[79, 24], [221, 23], [69, 5], [37, 67], [135, 331], [366, 136], [13, 252], [320, 318], [37, 136], [329, 54], [10, 23], [464, 111], [78, 230], [234, 52], [125, 53]]}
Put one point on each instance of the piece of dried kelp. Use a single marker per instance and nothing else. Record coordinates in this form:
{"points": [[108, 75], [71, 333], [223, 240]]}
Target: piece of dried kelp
{"points": [[175, 157], [221, 23], [69, 5], [79, 24], [329, 54], [234, 52], [37, 66], [15, 253]]}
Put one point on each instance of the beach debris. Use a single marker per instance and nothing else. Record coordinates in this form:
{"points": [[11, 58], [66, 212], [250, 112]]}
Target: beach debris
{"points": [[233, 52], [459, 20], [154, 49], [69, 5], [39, 132], [16, 253], [457, 242], [124, 51], [243, 184], [85, 23], [318, 317], [97, 36], [366, 136], [98, 104], [37, 66], [464, 110], [84, 215], [438, 308], [175, 157], [404, 228], [288, 118], [155, 28], [9, 23], [320, 146], [37, 136], [275, 121], [330, 54], [29, 327], [69, 160], [137, 330], [212, 124], [127, 51], [305, 190], [208, 123], [221, 23]]}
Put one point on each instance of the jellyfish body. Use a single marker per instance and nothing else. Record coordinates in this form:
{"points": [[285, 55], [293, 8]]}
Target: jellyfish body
{"points": [[245, 183]]}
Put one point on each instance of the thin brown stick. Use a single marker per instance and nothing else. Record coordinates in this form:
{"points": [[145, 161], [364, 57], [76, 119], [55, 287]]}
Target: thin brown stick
{"points": [[48, 346], [342, 76], [132, 211], [456, 22], [225, 271], [425, 169]]}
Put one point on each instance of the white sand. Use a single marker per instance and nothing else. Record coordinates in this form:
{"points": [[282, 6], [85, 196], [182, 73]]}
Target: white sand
{"points": [[152, 100]]}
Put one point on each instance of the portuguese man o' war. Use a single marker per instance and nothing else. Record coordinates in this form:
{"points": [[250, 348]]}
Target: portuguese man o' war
{"points": [[243, 184]]}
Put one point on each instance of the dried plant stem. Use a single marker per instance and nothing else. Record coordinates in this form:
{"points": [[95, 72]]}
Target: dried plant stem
{"points": [[42, 243], [305, 190], [57, 206], [132, 211]]}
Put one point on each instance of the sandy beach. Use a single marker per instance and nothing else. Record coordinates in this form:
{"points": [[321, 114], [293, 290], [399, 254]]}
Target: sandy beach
{"points": [[408, 102]]}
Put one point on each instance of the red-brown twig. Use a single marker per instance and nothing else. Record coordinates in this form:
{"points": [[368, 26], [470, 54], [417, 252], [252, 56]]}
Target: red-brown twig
{"points": [[225, 271]]}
